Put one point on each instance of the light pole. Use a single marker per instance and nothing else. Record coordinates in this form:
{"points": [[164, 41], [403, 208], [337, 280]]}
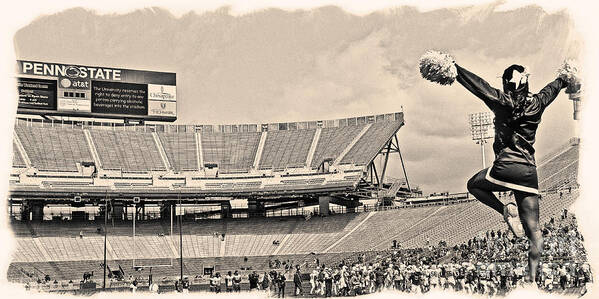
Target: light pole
{"points": [[105, 237], [180, 235], [480, 124], [575, 95]]}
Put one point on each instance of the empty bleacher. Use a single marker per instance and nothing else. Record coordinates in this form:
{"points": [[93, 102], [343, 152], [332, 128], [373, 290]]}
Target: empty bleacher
{"points": [[27, 251], [382, 226], [180, 149], [233, 152], [58, 147], [54, 148], [371, 142], [17, 160], [319, 233], [333, 141], [284, 149], [559, 170], [127, 150], [459, 222]]}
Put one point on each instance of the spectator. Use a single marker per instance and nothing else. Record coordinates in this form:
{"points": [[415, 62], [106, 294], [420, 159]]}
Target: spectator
{"points": [[253, 279], [313, 281], [236, 281], [217, 282], [281, 285], [212, 283], [328, 283], [133, 286], [266, 282], [229, 282], [297, 280], [185, 285]]}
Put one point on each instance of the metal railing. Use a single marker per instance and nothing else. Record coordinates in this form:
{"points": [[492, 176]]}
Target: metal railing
{"points": [[227, 128]]}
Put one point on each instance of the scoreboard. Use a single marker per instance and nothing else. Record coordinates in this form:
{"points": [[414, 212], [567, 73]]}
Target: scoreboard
{"points": [[90, 91]]}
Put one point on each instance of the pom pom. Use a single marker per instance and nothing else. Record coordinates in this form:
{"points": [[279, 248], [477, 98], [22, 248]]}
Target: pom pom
{"points": [[568, 72], [438, 67]]}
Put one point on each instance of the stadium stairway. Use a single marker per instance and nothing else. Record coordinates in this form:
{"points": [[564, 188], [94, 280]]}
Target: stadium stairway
{"points": [[20, 158], [349, 232], [352, 144], [93, 149], [370, 143], [161, 151]]}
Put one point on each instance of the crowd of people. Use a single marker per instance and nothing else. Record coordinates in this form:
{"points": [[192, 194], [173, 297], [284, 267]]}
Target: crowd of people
{"points": [[482, 278], [273, 282], [491, 264]]}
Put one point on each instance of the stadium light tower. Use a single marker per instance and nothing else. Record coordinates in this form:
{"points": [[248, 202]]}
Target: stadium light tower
{"points": [[480, 124], [105, 237]]}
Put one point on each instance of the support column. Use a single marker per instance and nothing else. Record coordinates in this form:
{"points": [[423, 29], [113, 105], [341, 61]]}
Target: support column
{"points": [[165, 211], [117, 210], [349, 204], [225, 210], [351, 207], [110, 212], [323, 205], [25, 210], [138, 212], [256, 208], [37, 211]]}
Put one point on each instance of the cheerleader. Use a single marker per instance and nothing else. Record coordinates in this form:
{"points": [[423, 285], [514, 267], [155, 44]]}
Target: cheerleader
{"points": [[517, 116]]}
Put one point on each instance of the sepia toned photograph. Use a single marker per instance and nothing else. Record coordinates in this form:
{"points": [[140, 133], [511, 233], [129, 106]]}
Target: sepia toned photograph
{"points": [[299, 151]]}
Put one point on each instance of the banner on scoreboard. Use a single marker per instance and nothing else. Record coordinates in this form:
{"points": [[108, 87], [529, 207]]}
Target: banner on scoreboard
{"points": [[119, 98], [90, 91], [36, 93], [162, 108]]}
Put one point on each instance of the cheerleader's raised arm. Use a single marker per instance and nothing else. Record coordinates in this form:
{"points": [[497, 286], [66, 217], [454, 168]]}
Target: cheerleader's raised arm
{"points": [[482, 89]]}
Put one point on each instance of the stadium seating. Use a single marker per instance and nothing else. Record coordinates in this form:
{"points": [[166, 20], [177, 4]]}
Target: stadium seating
{"points": [[557, 171], [54, 148], [371, 142], [17, 160], [319, 233], [127, 150], [411, 227], [459, 222], [118, 148], [27, 251], [333, 141], [180, 149], [383, 226], [56, 248], [233, 152], [284, 149]]}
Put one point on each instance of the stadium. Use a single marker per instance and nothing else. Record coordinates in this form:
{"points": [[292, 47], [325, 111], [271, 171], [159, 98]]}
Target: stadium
{"points": [[117, 185], [154, 204]]}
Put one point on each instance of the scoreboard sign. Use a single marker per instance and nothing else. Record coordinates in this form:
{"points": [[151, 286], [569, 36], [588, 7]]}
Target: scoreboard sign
{"points": [[37, 93], [115, 97], [90, 91]]}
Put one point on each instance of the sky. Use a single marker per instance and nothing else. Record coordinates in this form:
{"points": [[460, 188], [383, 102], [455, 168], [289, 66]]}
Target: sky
{"points": [[274, 65]]}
